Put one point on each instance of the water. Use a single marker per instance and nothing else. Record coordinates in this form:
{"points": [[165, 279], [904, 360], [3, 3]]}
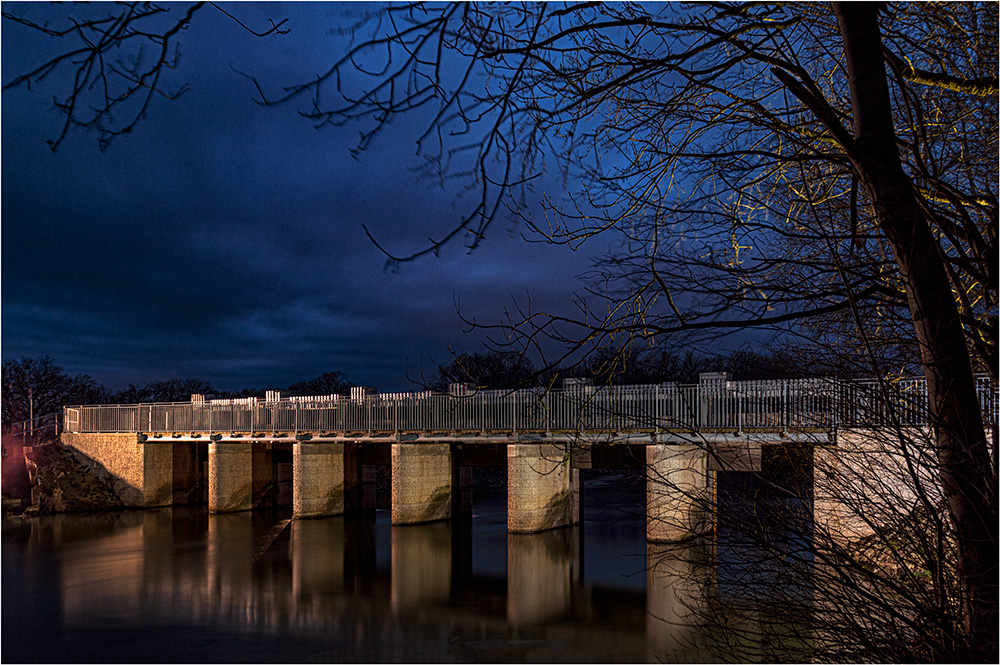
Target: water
{"points": [[180, 585]]}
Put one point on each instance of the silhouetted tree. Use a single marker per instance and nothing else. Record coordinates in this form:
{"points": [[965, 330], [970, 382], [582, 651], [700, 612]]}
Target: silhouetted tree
{"points": [[765, 166], [613, 365], [49, 386], [788, 167], [328, 383], [492, 369], [173, 390]]}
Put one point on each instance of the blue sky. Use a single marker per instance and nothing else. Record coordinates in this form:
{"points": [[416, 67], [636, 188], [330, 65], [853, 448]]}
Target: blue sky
{"points": [[223, 240]]}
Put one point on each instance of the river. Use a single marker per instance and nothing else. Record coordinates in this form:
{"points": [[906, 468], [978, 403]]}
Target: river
{"points": [[181, 585]]}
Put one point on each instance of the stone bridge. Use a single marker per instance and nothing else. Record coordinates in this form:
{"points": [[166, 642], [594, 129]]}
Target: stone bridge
{"points": [[244, 454]]}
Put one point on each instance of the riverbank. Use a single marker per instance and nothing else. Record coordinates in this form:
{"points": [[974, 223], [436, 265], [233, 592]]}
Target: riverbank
{"points": [[60, 483]]}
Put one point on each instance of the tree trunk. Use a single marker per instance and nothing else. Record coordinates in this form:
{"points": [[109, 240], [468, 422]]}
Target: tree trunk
{"points": [[965, 468]]}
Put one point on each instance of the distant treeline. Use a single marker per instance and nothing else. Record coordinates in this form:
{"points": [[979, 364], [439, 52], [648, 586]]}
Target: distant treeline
{"points": [[40, 386], [604, 366]]}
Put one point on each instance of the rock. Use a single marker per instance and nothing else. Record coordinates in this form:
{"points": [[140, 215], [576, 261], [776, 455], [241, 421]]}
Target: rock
{"points": [[65, 485]]}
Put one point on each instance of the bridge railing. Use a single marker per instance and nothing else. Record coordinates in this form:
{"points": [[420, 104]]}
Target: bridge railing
{"points": [[710, 405], [38, 427]]}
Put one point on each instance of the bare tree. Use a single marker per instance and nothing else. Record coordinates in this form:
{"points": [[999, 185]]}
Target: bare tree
{"points": [[118, 63], [40, 387], [765, 166], [487, 370], [172, 390], [328, 383]]}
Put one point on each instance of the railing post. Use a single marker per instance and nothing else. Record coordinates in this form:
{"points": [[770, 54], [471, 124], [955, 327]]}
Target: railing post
{"points": [[514, 404], [656, 410], [784, 410], [739, 411], [699, 402], [548, 409]]}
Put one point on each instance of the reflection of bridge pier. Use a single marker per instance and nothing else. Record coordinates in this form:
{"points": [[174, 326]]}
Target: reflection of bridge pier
{"points": [[318, 554], [421, 566], [542, 570], [675, 603], [228, 556], [323, 576], [185, 567]]}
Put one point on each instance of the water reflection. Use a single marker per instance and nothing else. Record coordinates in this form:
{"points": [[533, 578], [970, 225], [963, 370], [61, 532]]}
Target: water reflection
{"points": [[675, 602], [421, 566], [542, 569], [183, 585], [318, 552]]}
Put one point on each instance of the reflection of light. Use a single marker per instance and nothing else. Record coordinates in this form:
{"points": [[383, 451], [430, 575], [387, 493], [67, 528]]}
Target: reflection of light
{"points": [[102, 577], [320, 580]]}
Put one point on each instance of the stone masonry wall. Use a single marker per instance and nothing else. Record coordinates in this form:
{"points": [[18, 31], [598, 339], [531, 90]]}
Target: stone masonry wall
{"points": [[543, 491], [120, 456], [866, 481], [676, 488], [421, 482]]}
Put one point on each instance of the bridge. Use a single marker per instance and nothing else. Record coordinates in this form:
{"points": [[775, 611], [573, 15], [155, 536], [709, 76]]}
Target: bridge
{"points": [[238, 453]]}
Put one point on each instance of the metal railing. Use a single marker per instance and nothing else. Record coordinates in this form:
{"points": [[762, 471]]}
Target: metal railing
{"points": [[712, 405], [45, 425]]}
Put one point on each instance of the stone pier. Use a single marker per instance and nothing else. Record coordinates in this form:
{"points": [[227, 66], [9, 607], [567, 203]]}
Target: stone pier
{"points": [[157, 474], [543, 490], [230, 477], [431, 480], [240, 475], [324, 479], [676, 485], [421, 482]]}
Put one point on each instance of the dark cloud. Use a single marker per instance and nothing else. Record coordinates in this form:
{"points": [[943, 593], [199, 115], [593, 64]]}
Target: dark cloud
{"points": [[224, 240]]}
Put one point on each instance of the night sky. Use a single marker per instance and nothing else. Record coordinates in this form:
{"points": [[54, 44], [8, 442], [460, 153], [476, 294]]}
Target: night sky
{"points": [[223, 240]]}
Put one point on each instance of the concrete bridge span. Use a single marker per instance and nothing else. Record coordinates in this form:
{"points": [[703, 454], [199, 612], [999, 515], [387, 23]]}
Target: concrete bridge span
{"points": [[236, 454], [431, 480]]}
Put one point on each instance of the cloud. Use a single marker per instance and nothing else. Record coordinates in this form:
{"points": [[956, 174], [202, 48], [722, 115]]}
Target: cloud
{"points": [[223, 240]]}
